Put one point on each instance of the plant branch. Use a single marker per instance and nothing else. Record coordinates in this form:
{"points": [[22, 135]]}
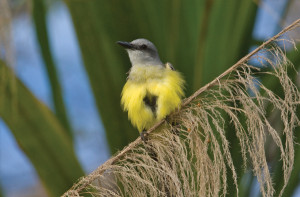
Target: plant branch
{"points": [[100, 170]]}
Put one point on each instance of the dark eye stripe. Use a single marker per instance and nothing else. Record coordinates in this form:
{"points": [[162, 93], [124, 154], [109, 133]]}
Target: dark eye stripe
{"points": [[143, 46]]}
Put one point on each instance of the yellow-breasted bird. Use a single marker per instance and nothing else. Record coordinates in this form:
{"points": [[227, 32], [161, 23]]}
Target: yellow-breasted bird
{"points": [[153, 89]]}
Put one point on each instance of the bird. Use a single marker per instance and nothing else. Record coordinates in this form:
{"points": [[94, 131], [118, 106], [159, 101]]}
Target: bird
{"points": [[153, 89]]}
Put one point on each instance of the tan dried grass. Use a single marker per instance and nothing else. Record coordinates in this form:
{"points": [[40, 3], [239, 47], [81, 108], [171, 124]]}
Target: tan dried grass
{"points": [[192, 157]]}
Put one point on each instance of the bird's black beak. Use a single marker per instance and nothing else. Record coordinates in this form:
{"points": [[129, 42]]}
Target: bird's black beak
{"points": [[126, 45]]}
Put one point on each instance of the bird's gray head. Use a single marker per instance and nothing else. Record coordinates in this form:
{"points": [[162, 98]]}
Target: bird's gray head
{"points": [[141, 52]]}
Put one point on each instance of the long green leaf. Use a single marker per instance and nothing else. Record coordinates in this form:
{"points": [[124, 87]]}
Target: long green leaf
{"points": [[39, 17], [106, 72], [173, 26], [39, 134], [1, 193]]}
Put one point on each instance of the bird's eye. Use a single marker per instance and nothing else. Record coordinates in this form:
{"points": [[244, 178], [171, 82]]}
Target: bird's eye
{"points": [[143, 46]]}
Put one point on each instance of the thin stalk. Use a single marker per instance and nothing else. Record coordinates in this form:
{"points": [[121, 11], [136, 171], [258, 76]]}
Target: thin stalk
{"points": [[100, 170]]}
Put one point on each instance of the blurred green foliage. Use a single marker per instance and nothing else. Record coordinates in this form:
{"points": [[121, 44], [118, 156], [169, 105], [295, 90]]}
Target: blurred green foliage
{"points": [[39, 17], [39, 134], [186, 33], [200, 38]]}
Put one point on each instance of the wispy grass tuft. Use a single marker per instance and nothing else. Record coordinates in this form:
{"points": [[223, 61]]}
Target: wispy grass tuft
{"points": [[191, 156]]}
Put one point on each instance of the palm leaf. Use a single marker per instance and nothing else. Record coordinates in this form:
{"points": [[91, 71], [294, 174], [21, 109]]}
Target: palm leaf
{"points": [[39, 17], [173, 26], [39, 134]]}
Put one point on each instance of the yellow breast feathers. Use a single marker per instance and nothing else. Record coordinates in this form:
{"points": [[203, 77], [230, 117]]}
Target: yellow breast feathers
{"points": [[151, 93]]}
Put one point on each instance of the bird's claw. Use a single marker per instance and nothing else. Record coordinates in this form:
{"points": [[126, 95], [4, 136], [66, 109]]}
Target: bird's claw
{"points": [[144, 136], [169, 120]]}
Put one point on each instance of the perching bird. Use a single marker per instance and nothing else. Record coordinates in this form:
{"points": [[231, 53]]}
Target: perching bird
{"points": [[153, 90]]}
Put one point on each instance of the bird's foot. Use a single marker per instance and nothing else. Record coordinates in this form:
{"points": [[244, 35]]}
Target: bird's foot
{"points": [[144, 136], [168, 119]]}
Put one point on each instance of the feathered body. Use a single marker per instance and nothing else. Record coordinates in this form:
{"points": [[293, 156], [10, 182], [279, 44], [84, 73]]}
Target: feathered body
{"points": [[148, 86], [152, 91]]}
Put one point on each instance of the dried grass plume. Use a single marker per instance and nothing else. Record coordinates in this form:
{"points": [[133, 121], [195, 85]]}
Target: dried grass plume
{"points": [[192, 157]]}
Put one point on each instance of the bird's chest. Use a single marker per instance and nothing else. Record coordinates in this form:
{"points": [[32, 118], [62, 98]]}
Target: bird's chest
{"points": [[148, 92], [146, 74], [147, 81]]}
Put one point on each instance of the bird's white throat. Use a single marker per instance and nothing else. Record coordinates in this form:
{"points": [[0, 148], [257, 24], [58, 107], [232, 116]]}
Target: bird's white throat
{"points": [[142, 73], [138, 57]]}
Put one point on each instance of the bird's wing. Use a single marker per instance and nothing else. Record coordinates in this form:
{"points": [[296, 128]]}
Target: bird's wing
{"points": [[169, 66]]}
